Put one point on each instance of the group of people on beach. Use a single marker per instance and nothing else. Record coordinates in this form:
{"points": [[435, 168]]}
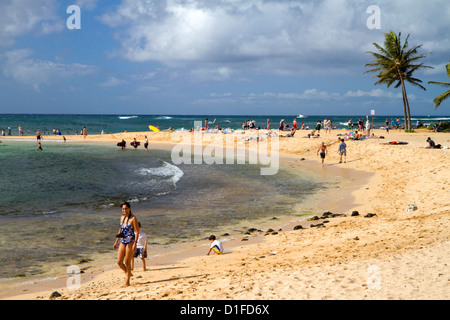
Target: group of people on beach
{"points": [[39, 137], [131, 242], [342, 147], [342, 150], [9, 131], [135, 144]]}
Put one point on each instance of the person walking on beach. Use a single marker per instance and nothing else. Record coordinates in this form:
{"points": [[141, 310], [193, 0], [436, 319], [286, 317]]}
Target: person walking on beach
{"points": [[318, 126], [327, 125], [215, 246], [128, 236], [342, 151], [38, 135], [360, 124], [141, 248], [323, 151], [350, 125], [368, 127], [146, 143]]}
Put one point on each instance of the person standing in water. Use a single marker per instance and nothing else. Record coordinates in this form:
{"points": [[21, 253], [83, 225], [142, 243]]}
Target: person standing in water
{"points": [[128, 236], [146, 143]]}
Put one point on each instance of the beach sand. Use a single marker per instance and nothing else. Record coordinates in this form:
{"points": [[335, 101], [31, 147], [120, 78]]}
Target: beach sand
{"points": [[395, 254]]}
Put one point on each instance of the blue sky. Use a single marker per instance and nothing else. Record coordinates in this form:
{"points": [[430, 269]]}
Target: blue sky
{"points": [[213, 56]]}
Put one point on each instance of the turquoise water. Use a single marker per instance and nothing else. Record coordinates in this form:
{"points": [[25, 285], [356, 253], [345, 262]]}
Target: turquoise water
{"points": [[61, 204], [65, 176]]}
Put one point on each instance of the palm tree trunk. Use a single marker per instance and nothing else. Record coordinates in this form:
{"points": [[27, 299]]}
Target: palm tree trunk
{"points": [[406, 109], [408, 112]]}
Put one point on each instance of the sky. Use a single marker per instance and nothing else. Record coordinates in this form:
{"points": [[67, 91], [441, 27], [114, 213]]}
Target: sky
{"points": [[231, 57]]}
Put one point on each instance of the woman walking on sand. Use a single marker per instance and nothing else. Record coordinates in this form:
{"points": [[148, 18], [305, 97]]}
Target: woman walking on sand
{"points": [[128, 236]]}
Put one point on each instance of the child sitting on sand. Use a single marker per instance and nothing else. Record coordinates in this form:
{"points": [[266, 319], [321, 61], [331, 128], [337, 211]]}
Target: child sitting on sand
{"points": [[215, 246]]}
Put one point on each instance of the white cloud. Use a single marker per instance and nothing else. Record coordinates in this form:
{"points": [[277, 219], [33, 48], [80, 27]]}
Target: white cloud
{"points": [[86, 4], [21, 67], [233, 32], [216, 74], [377, 93], [113, 82], [312, 94], [272, 37], [19, 17]]}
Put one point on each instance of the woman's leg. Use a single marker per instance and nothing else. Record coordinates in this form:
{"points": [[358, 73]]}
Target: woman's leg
{"points": [[128, 258], [120, 256]]}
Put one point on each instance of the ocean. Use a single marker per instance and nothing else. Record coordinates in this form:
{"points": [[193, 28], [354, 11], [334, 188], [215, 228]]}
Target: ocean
{"points": [[60, 206]]}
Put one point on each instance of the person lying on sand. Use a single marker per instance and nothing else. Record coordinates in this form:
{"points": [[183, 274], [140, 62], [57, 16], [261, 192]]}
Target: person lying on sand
{"points": [[289, 135], [312, 135], [395, 143]]}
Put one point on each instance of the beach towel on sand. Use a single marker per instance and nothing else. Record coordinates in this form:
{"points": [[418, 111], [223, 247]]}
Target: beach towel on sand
{"points": [[395, 142]]}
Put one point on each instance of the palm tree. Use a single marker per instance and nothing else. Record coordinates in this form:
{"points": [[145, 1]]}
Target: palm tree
{"points": [[396, 63], [445, 95]]}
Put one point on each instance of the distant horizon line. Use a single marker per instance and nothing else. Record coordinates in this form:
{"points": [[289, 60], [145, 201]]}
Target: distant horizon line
{"points": [[223, 115]]}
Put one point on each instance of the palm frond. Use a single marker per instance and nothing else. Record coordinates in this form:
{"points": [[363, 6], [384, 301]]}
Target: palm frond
{"points": [[438, 100], [442, 84]]}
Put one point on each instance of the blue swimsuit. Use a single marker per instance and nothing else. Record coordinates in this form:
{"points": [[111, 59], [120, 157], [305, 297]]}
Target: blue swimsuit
{"points": [[128, 231]]}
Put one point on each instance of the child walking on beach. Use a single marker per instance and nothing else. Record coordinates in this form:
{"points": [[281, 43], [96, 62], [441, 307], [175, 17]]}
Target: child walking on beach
{"points": [[141, 248], [215, 246], [342, 151]]}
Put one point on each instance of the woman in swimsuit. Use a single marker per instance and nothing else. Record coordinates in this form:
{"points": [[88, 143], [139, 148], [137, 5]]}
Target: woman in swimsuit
{"points": [[128, 236]]}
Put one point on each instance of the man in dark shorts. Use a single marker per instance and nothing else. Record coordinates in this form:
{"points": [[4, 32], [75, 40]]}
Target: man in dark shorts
{"points": [[323, 151]]}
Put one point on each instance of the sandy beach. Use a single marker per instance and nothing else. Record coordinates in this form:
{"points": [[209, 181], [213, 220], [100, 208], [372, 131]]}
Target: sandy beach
{"points": [[392, 253]]}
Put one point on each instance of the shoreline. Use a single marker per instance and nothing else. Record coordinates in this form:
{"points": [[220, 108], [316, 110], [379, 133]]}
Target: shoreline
{"points": [[363, 201], [192, 248]]}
